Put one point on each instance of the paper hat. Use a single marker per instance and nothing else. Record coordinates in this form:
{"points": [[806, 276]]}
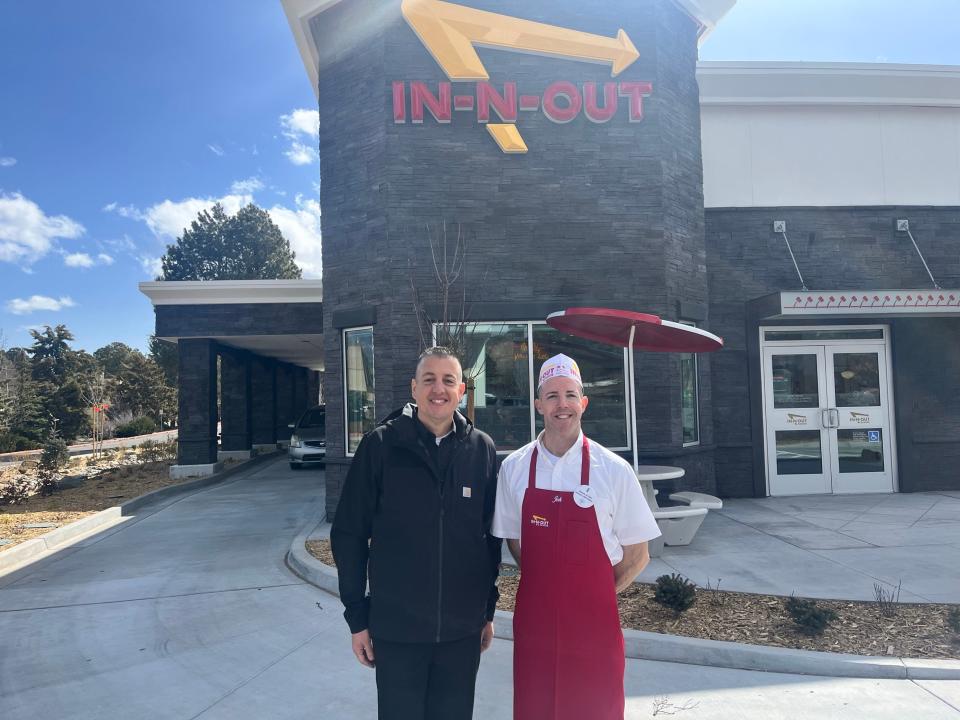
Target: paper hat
{"points": [[560, 366]]}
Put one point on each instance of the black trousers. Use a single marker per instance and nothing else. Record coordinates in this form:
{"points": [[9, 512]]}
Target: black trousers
{"points": [[427, 681]]}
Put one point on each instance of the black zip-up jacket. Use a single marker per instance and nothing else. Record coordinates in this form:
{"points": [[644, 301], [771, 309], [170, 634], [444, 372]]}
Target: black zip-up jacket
{"points": [[424, 539]]}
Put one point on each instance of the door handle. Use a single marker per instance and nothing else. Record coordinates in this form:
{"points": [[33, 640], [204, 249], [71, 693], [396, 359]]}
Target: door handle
{"points": [[825, 418], [834, 423]]}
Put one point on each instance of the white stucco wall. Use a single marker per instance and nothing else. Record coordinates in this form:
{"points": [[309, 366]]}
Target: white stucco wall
{"points": [[830, 135]]}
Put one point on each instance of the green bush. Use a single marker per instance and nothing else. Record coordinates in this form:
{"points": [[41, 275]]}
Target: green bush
{"points": [[675, 592], [15, 443], [55, 454], [809, 618], [15, 491], [151, 451], [138, 426]]}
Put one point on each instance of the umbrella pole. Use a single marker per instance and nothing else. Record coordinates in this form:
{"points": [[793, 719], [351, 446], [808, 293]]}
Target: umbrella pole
{"points": [[633, 397]]}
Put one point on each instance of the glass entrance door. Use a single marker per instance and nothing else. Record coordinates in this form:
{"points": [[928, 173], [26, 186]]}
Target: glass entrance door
{"points": [[860, 422], [827, 418], [798, 457]]}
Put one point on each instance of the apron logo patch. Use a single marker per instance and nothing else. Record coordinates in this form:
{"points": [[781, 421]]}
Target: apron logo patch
{"points": [[557, 498], [539, 521], [467, 492]]}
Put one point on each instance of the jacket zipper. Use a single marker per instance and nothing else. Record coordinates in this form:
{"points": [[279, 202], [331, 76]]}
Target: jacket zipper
{"points": [[443, 483], [440, 573]]}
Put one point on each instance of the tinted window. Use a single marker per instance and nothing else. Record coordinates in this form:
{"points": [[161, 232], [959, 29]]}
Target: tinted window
{"points": [[316, 418]]}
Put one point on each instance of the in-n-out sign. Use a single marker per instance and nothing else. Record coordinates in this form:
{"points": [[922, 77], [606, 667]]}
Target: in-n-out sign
{"points": [[450, 33]]}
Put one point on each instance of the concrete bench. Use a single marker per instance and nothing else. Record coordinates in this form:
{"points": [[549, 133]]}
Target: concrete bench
{"points": [[697, 500], [679, 525]]}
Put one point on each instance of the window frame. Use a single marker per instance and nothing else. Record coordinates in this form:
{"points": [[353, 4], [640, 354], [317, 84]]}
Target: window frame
{"points": [[346, 404], [696, 391], [532, 381]]}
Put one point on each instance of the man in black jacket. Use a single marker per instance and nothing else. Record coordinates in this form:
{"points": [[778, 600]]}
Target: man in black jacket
{"points": [[415, 515]]}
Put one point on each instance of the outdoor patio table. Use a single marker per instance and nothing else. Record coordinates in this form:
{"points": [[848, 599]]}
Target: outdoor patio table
{"points": [[646, 474]]}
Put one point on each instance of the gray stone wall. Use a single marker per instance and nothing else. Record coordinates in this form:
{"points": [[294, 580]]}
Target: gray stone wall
{"points": [[263, 379], [197, 402], [235, 399], [836, 248], [594, 214]]}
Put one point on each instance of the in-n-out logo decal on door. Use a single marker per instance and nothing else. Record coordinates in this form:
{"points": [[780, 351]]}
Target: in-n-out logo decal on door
{"points": [[450, 32]]}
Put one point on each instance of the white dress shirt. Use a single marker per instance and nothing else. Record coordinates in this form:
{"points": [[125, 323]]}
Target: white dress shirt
{"points": [[623, 514]]}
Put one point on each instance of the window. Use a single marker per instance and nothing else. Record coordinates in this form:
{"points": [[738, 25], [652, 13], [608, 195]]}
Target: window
{"points": [[359, 392], [604, 382], [689, 396], [502, 372], [496, 367]]}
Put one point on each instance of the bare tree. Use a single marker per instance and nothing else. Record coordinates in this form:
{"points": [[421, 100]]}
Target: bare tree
{"points": [[96, 396], [441, 307]]}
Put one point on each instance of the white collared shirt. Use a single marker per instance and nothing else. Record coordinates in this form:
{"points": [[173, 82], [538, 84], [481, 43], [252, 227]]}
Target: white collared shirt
{"points": [[623, 514]]}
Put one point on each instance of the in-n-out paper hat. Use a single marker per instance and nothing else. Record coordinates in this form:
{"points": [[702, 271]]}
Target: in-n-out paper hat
{"points": [[560, 366]]}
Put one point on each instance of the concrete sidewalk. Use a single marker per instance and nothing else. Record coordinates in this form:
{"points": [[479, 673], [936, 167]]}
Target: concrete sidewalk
{"points": [[827, 546], [187, 611]]}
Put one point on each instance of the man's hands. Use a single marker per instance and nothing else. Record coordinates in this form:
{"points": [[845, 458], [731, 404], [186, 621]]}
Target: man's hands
{"points": [[486, 637], [363, 644], [363, 648], [635, 559]]}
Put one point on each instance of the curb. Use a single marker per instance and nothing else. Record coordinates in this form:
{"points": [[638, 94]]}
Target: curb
{"points": [[30, 549], [641, 645]]}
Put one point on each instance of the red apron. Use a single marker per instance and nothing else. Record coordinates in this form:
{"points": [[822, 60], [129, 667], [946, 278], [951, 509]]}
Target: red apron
{"points": [[568, 656]]}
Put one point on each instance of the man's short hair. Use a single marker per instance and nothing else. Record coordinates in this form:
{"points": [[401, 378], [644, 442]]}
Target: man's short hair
{"points": [[437, 351]]}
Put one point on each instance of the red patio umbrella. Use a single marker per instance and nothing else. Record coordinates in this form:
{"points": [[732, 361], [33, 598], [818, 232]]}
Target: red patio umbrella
{"points": [[634, 331]]}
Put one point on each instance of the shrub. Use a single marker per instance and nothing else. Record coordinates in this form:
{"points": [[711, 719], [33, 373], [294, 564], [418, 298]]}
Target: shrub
{"points": [[138, 426], [675, 592], [809, 618], [15, 491], [888, 601], [151, 451], [55, 454]]}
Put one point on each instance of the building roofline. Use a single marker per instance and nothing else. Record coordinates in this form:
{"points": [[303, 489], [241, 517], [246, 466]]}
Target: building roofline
{"points": [[819, 83], [706, 13], [232, 292]]}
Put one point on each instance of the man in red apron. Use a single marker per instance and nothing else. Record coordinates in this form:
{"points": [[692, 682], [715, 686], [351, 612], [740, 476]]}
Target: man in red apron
{"points": [[575, 519]]}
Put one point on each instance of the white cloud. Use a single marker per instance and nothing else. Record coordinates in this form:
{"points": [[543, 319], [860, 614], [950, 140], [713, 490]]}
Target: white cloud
{"points": [[301, 226], [27, 233], [84, 260], [246, 187], [19, 306], [153, 266], [300, 154], [127, 211], [78, 260], [168, 219], [302, 122], [299, 127], [7, 161], [216, 150]]}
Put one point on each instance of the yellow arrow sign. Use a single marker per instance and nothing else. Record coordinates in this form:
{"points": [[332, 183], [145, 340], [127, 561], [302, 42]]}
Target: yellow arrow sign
{"points": [[450, 31]]}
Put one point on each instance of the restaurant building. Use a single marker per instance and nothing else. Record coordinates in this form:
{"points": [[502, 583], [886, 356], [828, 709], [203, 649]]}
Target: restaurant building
{"points": [[552, 155]]}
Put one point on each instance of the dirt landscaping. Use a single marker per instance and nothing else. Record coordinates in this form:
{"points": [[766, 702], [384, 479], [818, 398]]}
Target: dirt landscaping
{"points": [[119, 476], [860, 628]]}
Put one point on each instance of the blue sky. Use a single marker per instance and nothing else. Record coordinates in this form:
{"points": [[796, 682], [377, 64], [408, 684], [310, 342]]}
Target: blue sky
{"points": [[119, 121]]}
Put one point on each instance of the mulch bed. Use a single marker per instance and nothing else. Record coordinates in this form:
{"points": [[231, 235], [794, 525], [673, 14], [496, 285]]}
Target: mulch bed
{"points": [[109, 482], [915, 630]]}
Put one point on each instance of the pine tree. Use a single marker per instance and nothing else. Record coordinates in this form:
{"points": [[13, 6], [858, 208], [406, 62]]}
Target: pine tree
{"points": [[245, 246]]}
